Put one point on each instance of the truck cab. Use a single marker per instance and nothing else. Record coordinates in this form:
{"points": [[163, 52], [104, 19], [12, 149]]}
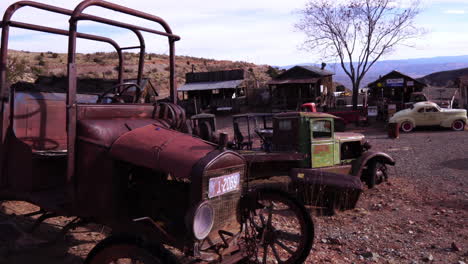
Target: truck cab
{"points": [[310, 140], [314, 135]]}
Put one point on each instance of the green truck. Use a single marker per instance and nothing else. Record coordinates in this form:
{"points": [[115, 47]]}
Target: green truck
{"points": [[321, 165]]}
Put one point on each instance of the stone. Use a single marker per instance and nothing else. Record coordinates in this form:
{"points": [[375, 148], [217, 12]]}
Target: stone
{"points": [[455, 247], [428, 258], [370, 255]]}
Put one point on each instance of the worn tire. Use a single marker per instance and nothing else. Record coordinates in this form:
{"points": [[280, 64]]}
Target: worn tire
{"points": [[406, 126], [458, 125], [377, 173], [128, 246]]}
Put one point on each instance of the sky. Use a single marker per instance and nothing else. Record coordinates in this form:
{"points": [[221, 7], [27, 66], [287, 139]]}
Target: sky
{"points": [[258, 31]]}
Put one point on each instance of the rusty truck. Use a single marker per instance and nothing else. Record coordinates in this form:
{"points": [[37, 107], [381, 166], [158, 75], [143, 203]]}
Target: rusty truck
{"points": [[107, 158]]}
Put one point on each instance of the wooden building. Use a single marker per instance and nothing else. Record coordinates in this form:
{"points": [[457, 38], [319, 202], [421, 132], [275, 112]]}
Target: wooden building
{"points": [[299, 85], [394, 87], [213, 91]]}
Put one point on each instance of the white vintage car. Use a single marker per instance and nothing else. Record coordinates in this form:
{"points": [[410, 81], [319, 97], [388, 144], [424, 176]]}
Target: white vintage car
{"points": [[430, 114]]}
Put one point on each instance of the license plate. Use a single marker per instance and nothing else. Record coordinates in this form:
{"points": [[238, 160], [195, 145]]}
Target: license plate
{"points": [[223, 184]]}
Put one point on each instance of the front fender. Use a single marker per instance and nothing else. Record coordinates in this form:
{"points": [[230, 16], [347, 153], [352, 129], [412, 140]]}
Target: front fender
{"points": [[359, 164]]}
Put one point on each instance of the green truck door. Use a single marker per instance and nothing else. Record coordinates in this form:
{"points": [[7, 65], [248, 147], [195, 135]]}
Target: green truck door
{"points": [[322, 142]]}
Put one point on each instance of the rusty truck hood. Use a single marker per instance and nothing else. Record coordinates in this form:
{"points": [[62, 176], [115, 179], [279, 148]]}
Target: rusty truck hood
{"points": [[161, 149], [348, 136]]}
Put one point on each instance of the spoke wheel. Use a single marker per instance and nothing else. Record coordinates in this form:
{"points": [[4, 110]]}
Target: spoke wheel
{"points": [[282, 228], [127, 250]]}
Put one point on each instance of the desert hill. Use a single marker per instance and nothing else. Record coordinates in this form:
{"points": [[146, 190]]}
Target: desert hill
{"points": [[27, 66], [444, 78]]}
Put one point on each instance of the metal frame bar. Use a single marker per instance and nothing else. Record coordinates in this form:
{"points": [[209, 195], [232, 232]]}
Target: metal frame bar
{"points": [[77, 15], [71, 92]]}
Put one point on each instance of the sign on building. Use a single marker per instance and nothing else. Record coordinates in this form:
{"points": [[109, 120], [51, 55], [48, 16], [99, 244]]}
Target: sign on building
{"points": [[395, 82], [372, 111]]}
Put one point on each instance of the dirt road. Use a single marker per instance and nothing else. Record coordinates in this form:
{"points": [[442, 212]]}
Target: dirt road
{"points": [[419, 216]]}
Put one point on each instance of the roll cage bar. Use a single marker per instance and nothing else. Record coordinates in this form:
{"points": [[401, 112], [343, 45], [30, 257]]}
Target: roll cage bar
{"points": [[7, 93]]}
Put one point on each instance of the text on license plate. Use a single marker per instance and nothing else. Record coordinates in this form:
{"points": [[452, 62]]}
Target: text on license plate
{"points": [[223, 184]]}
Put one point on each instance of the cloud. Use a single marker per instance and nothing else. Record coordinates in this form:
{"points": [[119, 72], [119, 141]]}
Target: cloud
{"points": [[259, 31], [454, 12]]}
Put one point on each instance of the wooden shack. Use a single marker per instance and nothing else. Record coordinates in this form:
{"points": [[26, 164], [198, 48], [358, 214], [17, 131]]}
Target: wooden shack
{"points": [[394, 88], [299, 85], [213, 91]]}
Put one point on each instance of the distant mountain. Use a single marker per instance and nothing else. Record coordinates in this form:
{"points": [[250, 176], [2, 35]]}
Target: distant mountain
{"points": [[444, 78], [415, 68]]}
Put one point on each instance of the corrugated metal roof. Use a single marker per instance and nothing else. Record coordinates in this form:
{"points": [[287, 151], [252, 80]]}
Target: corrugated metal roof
{"points": [[292, 81], [209, 85]]}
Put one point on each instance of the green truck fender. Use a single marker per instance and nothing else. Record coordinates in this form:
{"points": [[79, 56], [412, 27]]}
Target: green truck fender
{"points": [[359, 164]]}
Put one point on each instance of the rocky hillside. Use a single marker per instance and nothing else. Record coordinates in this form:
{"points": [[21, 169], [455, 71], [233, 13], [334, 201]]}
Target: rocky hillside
{"points": [[26, 66], [444, 78]]}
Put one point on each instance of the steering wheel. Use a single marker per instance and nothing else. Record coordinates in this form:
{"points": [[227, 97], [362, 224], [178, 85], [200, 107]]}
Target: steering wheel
{"points": [[118, 97]]}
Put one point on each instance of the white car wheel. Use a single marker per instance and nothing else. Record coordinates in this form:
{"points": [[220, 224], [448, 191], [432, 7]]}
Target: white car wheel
{"points": [[406, 126], [458, 125]]}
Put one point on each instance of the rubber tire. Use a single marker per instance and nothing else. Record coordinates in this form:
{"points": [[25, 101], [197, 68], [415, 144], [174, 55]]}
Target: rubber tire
{"points": [[458, 129], [120, 245], [309, 224], [407, 130], [371, 179]]}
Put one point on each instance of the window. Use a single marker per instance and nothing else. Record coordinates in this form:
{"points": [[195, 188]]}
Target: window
{"points": [[321, 129], [421, 110], [431, 109], [285, 125]]}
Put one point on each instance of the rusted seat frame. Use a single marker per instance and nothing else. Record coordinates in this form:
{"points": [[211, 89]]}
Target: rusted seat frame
{"points": [[7, 94]]}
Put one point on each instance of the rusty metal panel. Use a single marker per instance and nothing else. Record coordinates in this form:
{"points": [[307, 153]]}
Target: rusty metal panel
{"points": [[109, 111], [161, 149], [40, 120]]}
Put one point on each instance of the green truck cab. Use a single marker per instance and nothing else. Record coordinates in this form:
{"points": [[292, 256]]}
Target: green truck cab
{"points": [[326, 149]]}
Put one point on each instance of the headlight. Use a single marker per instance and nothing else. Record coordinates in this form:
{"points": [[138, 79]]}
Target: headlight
{"points": [[203, 220]]}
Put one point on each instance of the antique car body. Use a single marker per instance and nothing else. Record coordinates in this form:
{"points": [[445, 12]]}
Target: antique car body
{"points": [[306, 144], [124, 164], [430, 114]]}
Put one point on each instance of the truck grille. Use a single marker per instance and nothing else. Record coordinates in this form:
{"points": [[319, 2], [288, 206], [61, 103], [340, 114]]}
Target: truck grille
{"points": [[226, 206]]}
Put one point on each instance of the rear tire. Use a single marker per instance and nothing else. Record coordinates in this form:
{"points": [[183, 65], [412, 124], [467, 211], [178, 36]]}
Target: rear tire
{"points": [[458, 125], [407, 126]]}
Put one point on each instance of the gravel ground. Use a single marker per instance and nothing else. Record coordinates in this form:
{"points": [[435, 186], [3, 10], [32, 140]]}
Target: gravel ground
{"points": [[419, 216]]}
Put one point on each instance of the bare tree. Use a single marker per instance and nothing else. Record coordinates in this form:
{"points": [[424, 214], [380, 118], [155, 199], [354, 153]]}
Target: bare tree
{"points": [[358, 32]]}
